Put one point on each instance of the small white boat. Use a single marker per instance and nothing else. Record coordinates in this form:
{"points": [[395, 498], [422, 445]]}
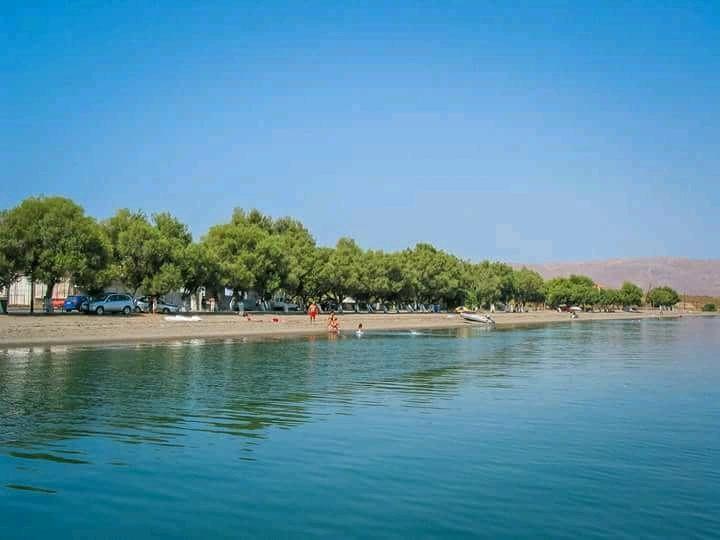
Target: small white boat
{"points": [[478, 318], [182, 318]]}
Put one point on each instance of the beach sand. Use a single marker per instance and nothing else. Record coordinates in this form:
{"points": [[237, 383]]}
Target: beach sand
{"points": [[69, 329]]}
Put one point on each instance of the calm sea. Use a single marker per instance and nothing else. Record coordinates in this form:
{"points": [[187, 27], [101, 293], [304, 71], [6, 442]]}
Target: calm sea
{"points": [[590, 430]]}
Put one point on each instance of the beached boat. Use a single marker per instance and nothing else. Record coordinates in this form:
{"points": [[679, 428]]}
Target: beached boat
{"points": [[477, 318]]}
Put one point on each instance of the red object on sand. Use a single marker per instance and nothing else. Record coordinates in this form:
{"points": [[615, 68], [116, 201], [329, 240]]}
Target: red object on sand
{"points": [[275, 319]]}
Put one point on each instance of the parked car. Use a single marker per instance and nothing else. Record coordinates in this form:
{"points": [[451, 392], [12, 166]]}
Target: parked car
{"points": [[57, 303], [74, 303], [328, 306], [112, 303], [143, 304], [85, 304]]}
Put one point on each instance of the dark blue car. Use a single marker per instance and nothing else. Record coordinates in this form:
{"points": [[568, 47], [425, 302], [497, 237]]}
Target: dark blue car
{"points": [[74, 303]]}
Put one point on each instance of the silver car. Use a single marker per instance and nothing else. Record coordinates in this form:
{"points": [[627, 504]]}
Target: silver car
{"points": [[112, 303], [161, 306]]}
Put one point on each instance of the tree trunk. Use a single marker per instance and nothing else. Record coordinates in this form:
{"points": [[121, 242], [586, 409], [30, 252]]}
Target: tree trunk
{"points": [[47, 304], [32, 296], [49, 289]]}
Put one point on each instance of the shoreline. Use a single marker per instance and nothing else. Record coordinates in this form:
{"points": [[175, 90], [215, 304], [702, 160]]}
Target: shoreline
{"points": [[80, 330]]}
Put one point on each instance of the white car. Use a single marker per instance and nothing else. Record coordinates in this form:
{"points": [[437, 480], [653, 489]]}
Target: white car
{"points": [[143, 304]]}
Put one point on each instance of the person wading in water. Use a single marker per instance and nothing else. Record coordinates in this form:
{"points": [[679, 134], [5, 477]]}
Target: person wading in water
{"points": [[333, 324]]}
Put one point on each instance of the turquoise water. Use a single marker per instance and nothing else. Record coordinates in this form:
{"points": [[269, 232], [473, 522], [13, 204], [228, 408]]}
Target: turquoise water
{"points": [[592, 430]]}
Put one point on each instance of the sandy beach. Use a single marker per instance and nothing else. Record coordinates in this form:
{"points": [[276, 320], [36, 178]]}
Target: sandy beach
{"points": [[69, 329]]}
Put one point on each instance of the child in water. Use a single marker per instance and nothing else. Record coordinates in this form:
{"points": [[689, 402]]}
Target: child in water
{"points": [[359, 332]]}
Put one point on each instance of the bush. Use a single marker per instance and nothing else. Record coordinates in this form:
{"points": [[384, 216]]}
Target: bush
{"points": [[709, 307]]}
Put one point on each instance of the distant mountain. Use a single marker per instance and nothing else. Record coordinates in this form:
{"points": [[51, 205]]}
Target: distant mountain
{"points": [[687, 276]]}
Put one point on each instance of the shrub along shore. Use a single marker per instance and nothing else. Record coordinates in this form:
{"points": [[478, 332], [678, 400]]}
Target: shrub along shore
{"points": [[51, 238]]}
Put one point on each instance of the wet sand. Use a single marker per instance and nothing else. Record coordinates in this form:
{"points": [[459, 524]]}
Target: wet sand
{"points": [[69, 329]]}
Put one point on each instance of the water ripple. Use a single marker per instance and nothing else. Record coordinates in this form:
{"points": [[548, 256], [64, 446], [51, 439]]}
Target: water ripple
{"points": [[596, 430]]}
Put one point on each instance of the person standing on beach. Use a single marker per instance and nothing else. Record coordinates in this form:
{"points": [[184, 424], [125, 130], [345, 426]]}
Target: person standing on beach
{"points": [[313, 311]]}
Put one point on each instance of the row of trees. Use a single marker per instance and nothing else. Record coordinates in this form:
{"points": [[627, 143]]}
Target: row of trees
{"points": [[50, 238]]}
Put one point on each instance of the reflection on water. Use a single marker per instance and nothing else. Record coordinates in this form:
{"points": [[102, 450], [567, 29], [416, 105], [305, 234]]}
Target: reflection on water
{"points": [[478, 422]]}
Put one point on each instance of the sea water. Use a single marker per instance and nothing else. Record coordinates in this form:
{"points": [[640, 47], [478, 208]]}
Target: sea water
{"points": [[579, 430]]}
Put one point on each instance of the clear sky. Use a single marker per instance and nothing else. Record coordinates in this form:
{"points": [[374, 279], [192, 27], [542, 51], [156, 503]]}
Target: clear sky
{"points": [[522, 131]]}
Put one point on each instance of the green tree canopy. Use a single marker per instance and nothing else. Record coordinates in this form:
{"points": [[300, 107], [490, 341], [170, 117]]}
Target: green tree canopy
{"points": [[10, 258], [51, 238], [148, 254], [199, 267], [528, 286], [490, 282], [339, 275], [574, 290], [250, 252], [631, 294], [663, 297]]}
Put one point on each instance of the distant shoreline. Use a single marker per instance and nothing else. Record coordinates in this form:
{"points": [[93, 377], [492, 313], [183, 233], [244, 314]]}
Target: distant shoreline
{"points": [[22, 331]]}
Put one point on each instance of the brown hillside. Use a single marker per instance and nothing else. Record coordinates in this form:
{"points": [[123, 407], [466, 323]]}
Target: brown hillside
{"points": [[687, 276]]}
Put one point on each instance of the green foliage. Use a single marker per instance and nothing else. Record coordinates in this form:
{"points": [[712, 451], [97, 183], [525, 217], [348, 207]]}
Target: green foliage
{"points": [[663, 296], [339, 275], [302, 261], [528, 286], [51, 238], [577, 290], [199, 267], [630, 294], [48, 238], [433, 276], [490, 282], [709, 307], [251, 252], [9, 256], [147, 255]]}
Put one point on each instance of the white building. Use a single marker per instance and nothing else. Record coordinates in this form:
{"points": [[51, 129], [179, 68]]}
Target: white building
{"points": [[20, 291]]}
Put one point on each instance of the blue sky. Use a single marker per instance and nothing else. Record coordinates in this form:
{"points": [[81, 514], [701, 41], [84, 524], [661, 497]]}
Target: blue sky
{"points": [[522, 131]]}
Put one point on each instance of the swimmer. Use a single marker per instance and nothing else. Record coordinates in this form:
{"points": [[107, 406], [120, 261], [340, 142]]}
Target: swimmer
{"points": [[333, 324]]}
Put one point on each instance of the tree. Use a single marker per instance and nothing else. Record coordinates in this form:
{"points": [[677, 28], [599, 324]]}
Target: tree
{"points": [[709, 307], [339, 275], [380, 277], [630, 294], [10, 259], [433, 275], [249, 253], [491, 282], [609, 298], [130, 233], [148, 254], [528, 286], [575, 290], [663, 297], [198, 268], [298, 245], [53, 238]]}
